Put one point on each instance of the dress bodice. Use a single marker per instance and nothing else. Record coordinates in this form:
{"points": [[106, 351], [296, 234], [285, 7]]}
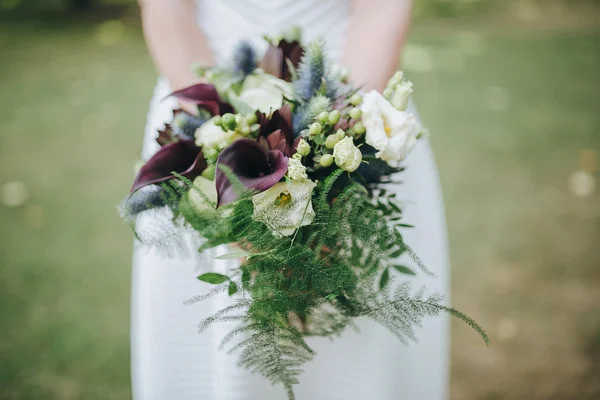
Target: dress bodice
{"points": [[226, 22]]}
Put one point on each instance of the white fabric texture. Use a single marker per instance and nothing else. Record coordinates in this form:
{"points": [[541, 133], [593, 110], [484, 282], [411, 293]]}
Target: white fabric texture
{"points": [[170, 360]]}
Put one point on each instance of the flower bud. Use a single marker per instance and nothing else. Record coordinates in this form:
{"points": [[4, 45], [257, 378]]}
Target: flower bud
{"points": [[347, 156], [401, 95], [340, 134], [396, 79], [228, 121], [209, 172], [323, 117], [388, 92], [297, 156], [332, 140], [326, 160], [315, 128], [356, 99], [246, 131], [217, 120], [355, 113], [334, 117], [359, 128], [303, 148]]}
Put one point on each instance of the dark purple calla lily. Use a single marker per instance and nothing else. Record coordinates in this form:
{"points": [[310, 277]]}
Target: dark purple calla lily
{"points": [[276, 132], [183, 157], [276, 58], [205, 96], [256, 167]]}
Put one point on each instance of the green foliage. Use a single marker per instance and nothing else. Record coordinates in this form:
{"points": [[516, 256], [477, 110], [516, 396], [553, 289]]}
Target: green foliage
{"points": [[314, 282], [213, 277]]}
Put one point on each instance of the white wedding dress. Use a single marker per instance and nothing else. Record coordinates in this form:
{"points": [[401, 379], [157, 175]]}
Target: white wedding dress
{"points": [[171, 361]]}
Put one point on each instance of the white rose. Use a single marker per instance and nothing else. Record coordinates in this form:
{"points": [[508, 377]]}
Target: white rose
{"points": [[392, 132], [285, 207], [296, 171], [264, 92], [208, 188], [401, 95], [210, 135], [347, 156]]}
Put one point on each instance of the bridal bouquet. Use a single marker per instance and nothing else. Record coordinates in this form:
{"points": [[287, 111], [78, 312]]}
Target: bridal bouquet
{"points": [[288, 162]]}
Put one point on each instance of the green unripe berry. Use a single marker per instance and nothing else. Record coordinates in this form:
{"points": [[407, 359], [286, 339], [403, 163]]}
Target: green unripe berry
{"points": [[246, 131], [359, 128], [334, 117], [355, 113], [332, 140], [239, 119], [315, 129], [228, 121], [251, 119], [217, 120], [356, 99], [323, 117], [326, 160]]}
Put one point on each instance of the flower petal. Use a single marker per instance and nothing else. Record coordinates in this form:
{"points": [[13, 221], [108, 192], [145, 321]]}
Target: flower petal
{"points": [[272, 61], [205, 96], [183, 157], [255, 167]]}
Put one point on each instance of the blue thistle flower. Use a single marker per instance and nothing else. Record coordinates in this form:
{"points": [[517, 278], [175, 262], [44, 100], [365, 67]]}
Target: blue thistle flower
{"points": [[244, 58], [185, 125], [311, 71]]}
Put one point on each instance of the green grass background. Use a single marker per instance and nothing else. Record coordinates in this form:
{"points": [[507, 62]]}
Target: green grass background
{"points": [[509, 107]]}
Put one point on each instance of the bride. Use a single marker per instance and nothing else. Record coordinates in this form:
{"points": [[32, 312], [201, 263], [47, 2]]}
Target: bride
{"points": [[170, 360]]}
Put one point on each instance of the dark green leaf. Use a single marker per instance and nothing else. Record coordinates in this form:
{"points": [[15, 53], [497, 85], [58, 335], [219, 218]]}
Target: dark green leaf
{"points": [[395, 207], [405, 225], [232, 288], [404, 270], [385, 277], [245, 276], [397, 253], [213, 277]]}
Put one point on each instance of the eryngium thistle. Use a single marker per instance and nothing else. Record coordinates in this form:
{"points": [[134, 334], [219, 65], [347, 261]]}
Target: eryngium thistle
{"points": [[244, 58], [185, 125], [311, 72]]}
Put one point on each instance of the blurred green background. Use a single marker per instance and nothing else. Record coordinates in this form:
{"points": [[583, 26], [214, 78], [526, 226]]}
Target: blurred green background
{"points": [[510, 91]]}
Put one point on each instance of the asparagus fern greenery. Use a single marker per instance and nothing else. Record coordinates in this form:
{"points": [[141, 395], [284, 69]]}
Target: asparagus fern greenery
{"points": [[296, 185]]}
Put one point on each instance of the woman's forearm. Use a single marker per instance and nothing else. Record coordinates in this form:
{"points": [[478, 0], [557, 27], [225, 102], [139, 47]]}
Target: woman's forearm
{"points": [[174, 40], [375, 36]]}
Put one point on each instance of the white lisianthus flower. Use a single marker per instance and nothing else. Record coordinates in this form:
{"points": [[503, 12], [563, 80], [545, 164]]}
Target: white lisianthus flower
{"points": [[401, 95], [392, 132], [208, 188], [347, 156], [296, 171], [264, 92], [286, 206]]}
